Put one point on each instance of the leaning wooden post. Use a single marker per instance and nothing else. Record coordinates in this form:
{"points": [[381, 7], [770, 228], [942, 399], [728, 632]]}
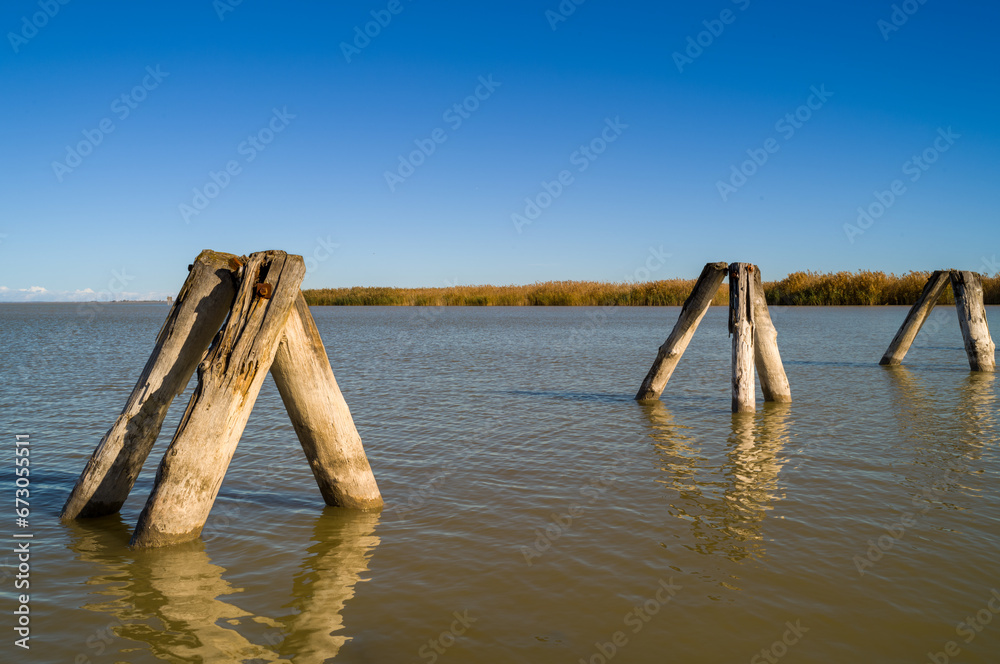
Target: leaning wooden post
{"points": [[229, 380], [979, 344], [915, 319], [195, 317], [320, 415], [773, 380], [673, 348], [741, 327]]}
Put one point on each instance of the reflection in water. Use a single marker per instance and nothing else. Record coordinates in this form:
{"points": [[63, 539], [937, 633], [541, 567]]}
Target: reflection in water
{"points": [[723, 497], [168, 598], [343, 541], [942, 441]]}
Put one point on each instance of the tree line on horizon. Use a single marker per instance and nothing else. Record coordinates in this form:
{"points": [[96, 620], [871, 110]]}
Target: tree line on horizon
{"points": [[862, 288]]}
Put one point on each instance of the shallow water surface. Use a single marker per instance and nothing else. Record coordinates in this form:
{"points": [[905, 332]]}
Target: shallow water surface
{"points": [[535, 512]]}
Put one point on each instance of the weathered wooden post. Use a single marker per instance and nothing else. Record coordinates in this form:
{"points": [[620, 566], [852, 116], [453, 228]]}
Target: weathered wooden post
{"points": [[767, 358], [320, 415], [916, 318], [673, 348], [229, 379], [979, 344], [196, 315], [741, 327]]}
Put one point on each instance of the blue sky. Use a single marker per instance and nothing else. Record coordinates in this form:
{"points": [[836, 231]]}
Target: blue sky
{"points": [[643, 109]]}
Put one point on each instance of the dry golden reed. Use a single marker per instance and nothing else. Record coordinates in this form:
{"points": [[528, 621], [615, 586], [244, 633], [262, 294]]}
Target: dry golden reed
{"points": [[799, 288]]}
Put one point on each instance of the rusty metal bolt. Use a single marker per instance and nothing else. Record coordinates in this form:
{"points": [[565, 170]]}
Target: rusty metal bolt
{"points": [[263, 290]]}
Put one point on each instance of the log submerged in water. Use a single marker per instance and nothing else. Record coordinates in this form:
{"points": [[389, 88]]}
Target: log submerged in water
{"points": [[741, 327], [229, 380], [767, 358], [673, 348], [915, 319], [320, 415], [979, 346], [196, 315]]}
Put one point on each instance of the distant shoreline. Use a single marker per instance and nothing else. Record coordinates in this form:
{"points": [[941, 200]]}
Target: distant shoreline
{"points": [[797, 289]]}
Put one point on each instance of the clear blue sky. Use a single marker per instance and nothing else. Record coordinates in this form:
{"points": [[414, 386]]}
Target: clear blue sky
{"points": [[115, 221]]}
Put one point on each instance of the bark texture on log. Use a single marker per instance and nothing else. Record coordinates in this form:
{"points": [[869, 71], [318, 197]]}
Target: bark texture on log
{"points": [[773, 380], [196, 315], [741, 327], [673, 348], [979, 344], [229, 379], [320, 415], [915, 319]]}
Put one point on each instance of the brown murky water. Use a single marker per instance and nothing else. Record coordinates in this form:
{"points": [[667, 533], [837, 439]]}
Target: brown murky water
{"points": [[535, 512]]}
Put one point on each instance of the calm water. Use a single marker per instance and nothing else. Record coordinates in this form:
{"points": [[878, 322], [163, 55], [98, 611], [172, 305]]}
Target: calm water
{"points": [[535, 513]]}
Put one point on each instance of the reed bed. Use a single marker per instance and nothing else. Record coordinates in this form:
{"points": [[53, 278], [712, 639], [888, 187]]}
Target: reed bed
{"points": [[862, 288]]}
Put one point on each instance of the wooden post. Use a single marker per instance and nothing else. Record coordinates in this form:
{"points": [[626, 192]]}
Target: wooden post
{"points": [[320, 415], [741, 327], [229, 380], [195, 317], [673, 348], [773, 380], [979, 344], [915, 319]]}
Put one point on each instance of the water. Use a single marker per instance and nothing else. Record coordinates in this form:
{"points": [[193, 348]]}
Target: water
{"points": [[531, 504]]}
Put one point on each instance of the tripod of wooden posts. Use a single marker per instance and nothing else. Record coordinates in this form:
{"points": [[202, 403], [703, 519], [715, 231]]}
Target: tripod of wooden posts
{"points": [[265, 326], [755, 340], [968, 289]]}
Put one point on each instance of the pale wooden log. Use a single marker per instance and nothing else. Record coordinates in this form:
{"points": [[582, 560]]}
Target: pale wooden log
{"points": [[915, 319], [195, 317], [229, 380], [320, 415], [741, 327], [979, 344], [773, 380], [673, 348]]}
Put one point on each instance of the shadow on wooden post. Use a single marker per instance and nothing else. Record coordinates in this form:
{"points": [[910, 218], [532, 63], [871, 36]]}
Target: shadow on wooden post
{"points": [[196, 315]]}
